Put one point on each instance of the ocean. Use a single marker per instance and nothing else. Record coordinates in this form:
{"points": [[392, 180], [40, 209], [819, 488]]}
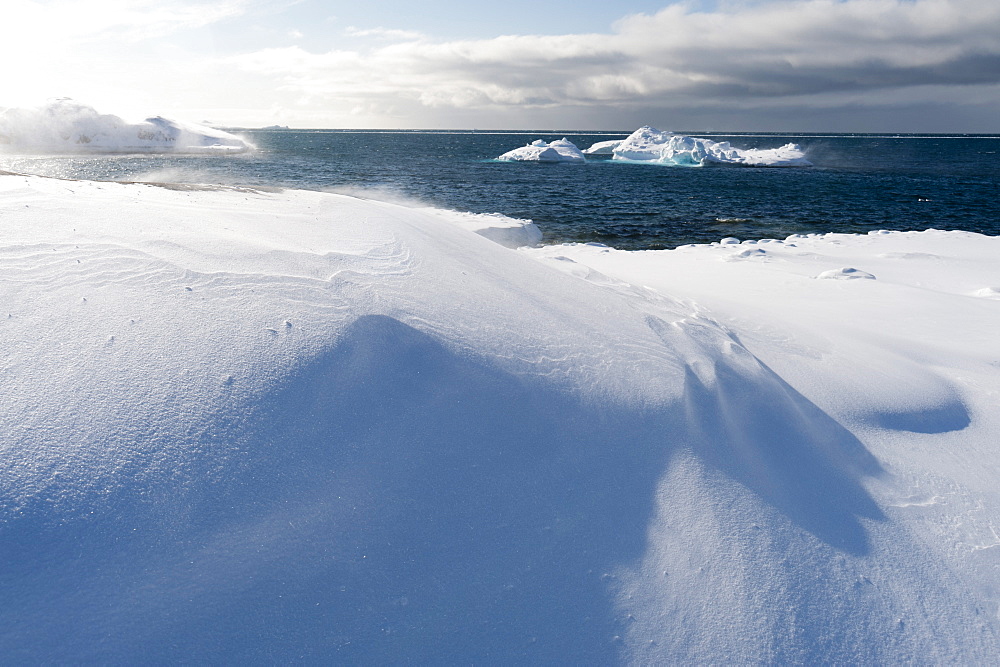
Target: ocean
{"points": [[860, 182]]}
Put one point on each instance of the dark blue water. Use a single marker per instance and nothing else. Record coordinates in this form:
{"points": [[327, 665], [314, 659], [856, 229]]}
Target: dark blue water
{"points": [[860, 182]]}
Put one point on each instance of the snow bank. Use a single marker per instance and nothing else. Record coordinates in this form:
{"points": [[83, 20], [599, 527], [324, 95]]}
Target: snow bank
{"points": [[648, 144], [560, 150], [66, 126], [307, 427]]}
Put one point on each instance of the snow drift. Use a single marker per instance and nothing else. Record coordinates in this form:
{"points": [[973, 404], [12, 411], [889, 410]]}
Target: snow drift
{"points": [[245, 426], [66, 126]]}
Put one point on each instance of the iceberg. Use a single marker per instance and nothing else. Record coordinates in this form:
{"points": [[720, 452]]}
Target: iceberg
{"points": [[67, 126], [647, 144], [561, 150], [603, 147], [269, 427]]}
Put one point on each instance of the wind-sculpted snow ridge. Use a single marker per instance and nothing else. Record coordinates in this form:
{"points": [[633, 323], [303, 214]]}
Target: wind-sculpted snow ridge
{"points": [[507, 231], [560, 150], [67, 126], [648, 144], [334, 430]]}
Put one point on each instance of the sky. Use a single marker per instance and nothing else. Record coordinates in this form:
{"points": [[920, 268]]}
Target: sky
{"points": [[775, 65]]}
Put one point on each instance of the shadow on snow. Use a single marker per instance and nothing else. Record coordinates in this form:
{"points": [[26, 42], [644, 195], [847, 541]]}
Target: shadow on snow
{"points": [[394, 501]]}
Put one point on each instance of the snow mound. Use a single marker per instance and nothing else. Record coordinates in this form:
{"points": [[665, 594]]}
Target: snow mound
{"points": [[648, 144], [67, 126], [303, 426], [560, 150], [846, 273], [987, 293]]}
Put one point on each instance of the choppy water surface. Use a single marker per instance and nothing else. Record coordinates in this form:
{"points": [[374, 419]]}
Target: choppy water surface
{"points": [[860, 182]]}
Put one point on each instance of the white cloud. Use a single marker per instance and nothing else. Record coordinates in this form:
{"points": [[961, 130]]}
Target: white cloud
{"points": [[754, 54], [141, 57], [102, 50], [383, 33], [53, 22]]}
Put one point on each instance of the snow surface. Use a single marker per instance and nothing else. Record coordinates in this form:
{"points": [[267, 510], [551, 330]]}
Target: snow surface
{"points": [[277, 427], [67, 126], [647, 144], [560, 150], [509, 232]]}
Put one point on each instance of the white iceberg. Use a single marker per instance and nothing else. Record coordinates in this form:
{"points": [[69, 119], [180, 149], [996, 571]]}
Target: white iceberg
{"points": [[647, 144], [67, 126], [561, 150], [250, 427]]}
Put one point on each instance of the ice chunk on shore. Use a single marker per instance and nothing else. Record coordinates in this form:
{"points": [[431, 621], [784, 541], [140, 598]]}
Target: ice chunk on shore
{"points": [[603, 147], [647, 144], [561, 150], [67, 126]]}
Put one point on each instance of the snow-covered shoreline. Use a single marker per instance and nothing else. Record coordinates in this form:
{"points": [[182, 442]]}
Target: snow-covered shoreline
{"points": [[301, 425]]}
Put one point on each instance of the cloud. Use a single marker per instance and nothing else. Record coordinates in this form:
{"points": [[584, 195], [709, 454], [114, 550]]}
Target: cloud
{"points": [[383, 33], [107, 51], [824, 50], [56, 21]]}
